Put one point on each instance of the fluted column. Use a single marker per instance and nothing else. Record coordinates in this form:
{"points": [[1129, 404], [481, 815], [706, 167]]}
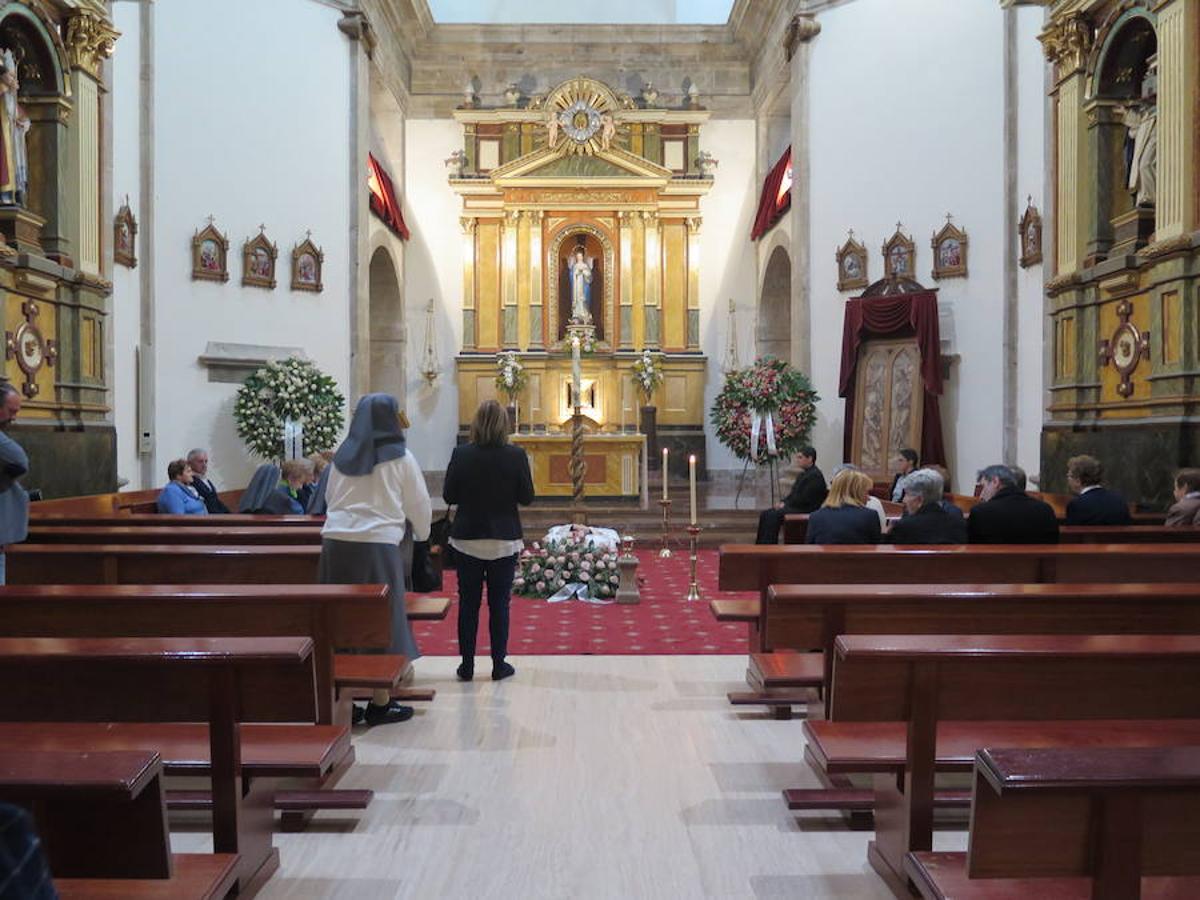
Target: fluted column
{"points": [[625, 320], [653, 302], [508, 278], [468, 296], [693, 283], [536, 309], [1177, 74]]}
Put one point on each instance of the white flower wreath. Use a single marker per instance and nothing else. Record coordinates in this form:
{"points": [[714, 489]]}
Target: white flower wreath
{"points": [[289, 390]]}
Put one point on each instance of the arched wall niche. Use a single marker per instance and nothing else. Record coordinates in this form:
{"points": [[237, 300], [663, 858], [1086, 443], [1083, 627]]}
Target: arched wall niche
{"points": [[773, 331], [388, 333]]}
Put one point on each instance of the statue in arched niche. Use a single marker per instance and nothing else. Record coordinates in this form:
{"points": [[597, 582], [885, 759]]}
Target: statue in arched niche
{"points": [[14, 125], [581, 282], [1141, 118]]}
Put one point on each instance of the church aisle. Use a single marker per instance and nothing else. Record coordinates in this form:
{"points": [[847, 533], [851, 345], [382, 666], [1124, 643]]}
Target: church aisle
{"points": [[616, 776]]}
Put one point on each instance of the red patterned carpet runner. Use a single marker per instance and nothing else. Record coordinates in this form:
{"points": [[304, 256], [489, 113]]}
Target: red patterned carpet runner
{"points": [[663, 623]]}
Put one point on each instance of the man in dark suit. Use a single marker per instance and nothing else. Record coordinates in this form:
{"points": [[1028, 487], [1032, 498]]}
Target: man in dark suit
{"points": [[1007, 514], [925, 521], [907, 461], [1095, 505], [198, 461], [807, 494]]}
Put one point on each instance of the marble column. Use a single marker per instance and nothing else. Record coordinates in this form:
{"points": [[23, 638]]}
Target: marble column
{"points": [[625, 321], [508, 278], [653, 309], [468, 224], [800, 32], [536, 306]]}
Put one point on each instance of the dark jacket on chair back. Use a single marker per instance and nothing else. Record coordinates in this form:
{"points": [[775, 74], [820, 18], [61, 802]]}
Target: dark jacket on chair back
{"points": [[1012, 517], [487, 483], [1099, 506]]}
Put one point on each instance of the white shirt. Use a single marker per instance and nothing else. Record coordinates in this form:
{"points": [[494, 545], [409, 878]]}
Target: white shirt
{"points": [[373, 508], [876, 504], [488, 548], [1090, 487]]}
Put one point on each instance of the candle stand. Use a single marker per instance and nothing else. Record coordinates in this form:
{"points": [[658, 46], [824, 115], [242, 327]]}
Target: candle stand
{"points": [[665, 552], [693, 593]]}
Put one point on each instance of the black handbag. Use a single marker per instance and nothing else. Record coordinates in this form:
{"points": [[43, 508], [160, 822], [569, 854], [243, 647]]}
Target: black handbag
{"points": [[425, 577], [439, 536]]}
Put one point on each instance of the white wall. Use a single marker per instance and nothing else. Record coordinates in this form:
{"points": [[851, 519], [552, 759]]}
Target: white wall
{"points": [[910, 130], [126, 316], [253, 105], [727, 260], [432, 269], [1031, 168]]}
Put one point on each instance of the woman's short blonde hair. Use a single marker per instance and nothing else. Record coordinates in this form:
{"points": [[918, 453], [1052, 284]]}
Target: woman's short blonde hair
{"points": [[849, 487], [320, 460], [489, 428], [296, 469]]}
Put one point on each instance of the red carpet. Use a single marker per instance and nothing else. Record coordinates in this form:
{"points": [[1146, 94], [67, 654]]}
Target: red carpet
{"points": [[662, 623]]}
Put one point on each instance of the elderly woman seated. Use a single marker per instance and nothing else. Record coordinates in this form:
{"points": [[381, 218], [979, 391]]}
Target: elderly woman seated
{"points": [[925, 521], [294, 475], [179, 497]]}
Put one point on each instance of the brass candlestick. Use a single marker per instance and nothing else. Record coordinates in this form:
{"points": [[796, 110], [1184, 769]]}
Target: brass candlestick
{"points": [[693, 593], [665, 552]]}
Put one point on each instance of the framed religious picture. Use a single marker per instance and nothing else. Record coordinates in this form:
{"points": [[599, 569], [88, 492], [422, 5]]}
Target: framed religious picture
{"points": [[899, 255], [950, 251], [307, 261], [210, 251], [124, 237], [1030, 233], [852, 265], [258, 260]]}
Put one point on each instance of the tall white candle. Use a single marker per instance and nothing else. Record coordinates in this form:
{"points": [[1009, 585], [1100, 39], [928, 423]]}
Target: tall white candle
{"points": [[664, 472], [692, 482]]}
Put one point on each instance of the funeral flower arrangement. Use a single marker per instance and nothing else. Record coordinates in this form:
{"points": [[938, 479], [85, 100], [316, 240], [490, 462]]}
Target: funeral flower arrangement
{"points": [[511, 376], [648, 373], [545, 569], [764, 410], [289, 390]]}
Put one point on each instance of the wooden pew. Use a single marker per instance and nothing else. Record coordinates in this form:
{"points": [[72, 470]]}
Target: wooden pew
{"points": [[118, 533], [117, 503], [101, 820], [1079, 823], [903, 707], [1128, 534], [811, 617], [161, 564], [38, 516], [69, 693], [751, 567]]}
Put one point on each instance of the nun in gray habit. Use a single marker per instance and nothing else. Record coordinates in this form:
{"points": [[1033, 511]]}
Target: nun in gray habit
{"points": [[374, 489]]}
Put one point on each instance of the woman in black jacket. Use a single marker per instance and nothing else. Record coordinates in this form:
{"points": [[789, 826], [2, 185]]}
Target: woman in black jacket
{"points": [[844, 519], [486, 478]]}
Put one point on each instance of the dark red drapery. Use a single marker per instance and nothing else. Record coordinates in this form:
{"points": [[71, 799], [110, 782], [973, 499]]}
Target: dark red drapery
{"points": [[383, 197], [898, 316], [776, 196]]}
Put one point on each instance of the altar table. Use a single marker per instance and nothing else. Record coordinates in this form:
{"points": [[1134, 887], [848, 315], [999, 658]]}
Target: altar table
{"points": [[615, 463]]}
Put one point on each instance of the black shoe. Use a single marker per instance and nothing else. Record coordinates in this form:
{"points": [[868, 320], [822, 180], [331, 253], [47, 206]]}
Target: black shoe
{"points": [[502, 670], [465, 672], [356, 715], [386, 715]]}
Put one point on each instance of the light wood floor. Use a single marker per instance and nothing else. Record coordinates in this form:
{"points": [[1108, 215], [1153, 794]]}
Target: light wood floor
{"points": [[626, 776]]}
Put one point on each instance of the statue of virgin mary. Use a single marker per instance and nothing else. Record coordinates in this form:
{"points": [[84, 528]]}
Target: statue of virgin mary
{"points": [[580, 273]]}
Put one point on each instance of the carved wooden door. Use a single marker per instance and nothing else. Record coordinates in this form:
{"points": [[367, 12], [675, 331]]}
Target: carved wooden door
{"points": [[888, 404]]}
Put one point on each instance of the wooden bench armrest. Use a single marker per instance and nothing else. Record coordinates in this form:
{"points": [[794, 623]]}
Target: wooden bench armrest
{"points": [[426, 609], [196, 876], [1088, 769], [378, 671], [734, 610]]}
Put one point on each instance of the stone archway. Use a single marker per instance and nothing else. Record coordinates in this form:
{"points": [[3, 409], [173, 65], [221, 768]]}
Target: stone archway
{"points": [[773, 334], [387, 330]]}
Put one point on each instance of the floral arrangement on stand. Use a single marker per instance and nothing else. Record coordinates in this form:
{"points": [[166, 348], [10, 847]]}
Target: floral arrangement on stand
{"points": [[291, 390], [648, 374], [511, 376], [545, 569], [765, 410]]}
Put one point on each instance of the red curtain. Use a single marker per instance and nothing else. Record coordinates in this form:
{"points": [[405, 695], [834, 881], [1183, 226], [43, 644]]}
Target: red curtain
{"points": [[899, 316], [776, 196], [383, 197]]}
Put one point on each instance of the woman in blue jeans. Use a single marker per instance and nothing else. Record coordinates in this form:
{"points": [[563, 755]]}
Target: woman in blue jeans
{"points": [[487, 478]]}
